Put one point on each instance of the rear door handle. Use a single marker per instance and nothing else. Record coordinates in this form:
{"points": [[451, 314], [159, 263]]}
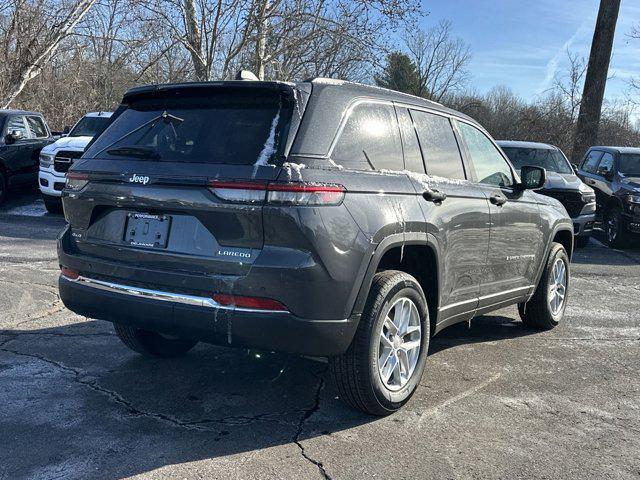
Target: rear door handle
{"points": [[434, 196], [498, 199], [588, 181]]}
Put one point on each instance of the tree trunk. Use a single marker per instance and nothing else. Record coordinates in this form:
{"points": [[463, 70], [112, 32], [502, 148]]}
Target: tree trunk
{"points": [[194, 39], [596, 79]]}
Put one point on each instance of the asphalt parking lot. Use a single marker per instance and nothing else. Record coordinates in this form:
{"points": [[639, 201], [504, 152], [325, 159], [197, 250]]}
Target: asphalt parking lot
{"points": [[496, 401]]}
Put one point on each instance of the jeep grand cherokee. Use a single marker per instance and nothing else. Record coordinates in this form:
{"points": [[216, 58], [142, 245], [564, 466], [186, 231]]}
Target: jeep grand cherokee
{"points": [[321, 218]]}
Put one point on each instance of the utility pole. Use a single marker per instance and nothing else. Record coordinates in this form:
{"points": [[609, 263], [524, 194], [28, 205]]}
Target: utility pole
{"points": [[596, 78]]}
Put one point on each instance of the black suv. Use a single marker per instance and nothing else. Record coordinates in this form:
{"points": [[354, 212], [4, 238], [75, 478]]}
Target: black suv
{"points": [[562, 182], [23, 136], [614, 174], [320, 218]]}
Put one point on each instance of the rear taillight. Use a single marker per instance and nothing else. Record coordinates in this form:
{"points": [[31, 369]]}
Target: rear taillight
{"points": [[69, 273], [295, 194], [76, 181], [253, 303]]}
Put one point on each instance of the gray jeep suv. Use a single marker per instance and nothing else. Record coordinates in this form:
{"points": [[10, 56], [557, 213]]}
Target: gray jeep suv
{"points": [[320, 218]]}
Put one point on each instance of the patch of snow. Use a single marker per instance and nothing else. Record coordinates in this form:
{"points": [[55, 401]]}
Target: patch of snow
{"points": [[424, 179], [270, 145], [334, 164], [292, 168]]}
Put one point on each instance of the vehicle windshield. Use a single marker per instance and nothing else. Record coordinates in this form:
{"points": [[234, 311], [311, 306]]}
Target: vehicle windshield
{"points": [[225, 127], [89, 127], [551, 160], [630, 164]]}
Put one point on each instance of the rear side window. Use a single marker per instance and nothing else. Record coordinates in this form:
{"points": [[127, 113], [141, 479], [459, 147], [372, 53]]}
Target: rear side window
{"points": [[439, 146], [490, 166], [410, 146], [370, 139], [220, 126], [17, 123], [590, 163], [36, 125]]}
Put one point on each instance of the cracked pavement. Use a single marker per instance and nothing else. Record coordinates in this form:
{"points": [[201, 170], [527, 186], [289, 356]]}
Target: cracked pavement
{"points": [[496, 401]]}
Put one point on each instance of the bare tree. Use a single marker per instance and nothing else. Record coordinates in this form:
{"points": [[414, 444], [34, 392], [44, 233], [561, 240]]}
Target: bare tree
{"points": [[570, 84], [30, 34], [441, 60], [596, 77]]}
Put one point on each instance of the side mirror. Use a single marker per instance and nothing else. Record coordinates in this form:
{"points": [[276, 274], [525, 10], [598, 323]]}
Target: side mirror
{"points": [[533, 178], [14, 136], [66, 130]]}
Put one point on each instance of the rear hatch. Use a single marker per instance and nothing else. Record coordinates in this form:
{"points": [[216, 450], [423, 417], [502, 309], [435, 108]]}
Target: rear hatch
{"points": [[147, 191]]}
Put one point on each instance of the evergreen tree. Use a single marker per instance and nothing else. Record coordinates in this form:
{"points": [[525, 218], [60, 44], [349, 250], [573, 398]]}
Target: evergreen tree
{"points": [[400, 74]]}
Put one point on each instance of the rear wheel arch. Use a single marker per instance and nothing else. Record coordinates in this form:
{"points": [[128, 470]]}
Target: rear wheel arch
{"points": [[417, 255]]}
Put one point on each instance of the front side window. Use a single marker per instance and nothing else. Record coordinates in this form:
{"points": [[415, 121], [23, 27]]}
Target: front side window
{"points": [[551, 160], [630, 164], [36, 125], [16, 123], [490, 166], [590, 163], [439, 146], [606, 164], [370, 139]]}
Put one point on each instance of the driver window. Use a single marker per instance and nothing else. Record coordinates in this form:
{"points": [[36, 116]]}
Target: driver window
{"points": [[490, 166], [606, 164], [16, 123]]}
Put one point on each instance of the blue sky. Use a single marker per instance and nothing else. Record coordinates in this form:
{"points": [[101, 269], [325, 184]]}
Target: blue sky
{"points": [[522, 44]]}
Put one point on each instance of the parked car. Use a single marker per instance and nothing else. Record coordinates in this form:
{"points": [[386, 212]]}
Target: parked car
{"points": [[55, 159], [562, 183], [24, 134], [614, 174], [320, 218]]}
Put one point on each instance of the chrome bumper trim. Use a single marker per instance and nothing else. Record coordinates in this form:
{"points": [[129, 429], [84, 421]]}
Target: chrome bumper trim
{"points": [[150, 294]]}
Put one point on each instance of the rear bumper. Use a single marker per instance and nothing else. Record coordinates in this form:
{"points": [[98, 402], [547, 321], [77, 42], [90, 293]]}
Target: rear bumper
{"points": [[201, 318]]}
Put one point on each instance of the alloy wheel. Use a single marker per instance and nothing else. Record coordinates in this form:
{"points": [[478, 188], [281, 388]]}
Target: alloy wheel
{"points": [[400, 343], [557, 286]]}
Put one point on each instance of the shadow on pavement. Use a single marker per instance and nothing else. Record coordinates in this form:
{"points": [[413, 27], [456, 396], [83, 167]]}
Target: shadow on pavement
{"points": [[487, 328]]}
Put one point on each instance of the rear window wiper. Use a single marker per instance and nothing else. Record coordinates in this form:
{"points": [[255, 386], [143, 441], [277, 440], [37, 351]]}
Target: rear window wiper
{"points": [[165, 116], [134, 151]]}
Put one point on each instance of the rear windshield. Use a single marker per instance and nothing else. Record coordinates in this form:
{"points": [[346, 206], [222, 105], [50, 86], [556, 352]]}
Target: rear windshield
{"points": [[89, 127], [229, 127], [551, 160], [630, 164]]}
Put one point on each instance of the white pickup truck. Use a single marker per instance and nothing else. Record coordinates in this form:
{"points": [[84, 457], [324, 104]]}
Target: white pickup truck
{"points": [[56, 158]]}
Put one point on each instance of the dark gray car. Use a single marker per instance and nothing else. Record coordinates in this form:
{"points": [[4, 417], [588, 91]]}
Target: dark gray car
{"points": [[22, 136], [320, 218], [562, 182]]}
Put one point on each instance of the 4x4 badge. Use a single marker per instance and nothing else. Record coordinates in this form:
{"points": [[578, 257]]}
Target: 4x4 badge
{"points": [[139, 179]]}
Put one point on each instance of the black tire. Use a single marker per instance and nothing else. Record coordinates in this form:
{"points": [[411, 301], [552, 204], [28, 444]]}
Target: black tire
{"points": [[356, 372], [582, 242], [614, 228], [53, 205], [537, 312], [3, 187], [152, 344]]}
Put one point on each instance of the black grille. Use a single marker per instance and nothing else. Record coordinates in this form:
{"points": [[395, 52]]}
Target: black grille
{"points": [[64, 159], [571, 200]]}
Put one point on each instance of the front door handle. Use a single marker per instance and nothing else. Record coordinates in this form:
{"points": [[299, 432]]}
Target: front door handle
{"points": [[434, 196], [498, 199]]}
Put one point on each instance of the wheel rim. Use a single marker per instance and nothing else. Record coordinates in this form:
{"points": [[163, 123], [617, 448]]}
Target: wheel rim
{"points": [[557, 286], [612, 227], [400, 342]]}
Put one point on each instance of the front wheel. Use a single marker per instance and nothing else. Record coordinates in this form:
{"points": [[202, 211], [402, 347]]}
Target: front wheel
{"points": [[546, 308], [153, 344], [380, 371], [614, 228]]}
